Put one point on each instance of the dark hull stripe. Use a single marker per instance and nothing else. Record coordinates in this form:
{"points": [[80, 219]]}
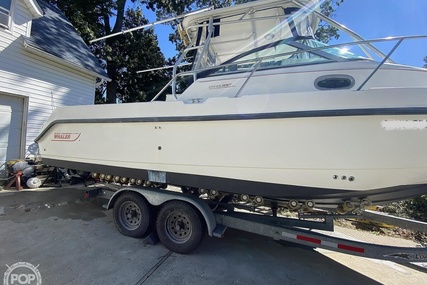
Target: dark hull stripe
{"points": [[254, 116], [269, 190]]}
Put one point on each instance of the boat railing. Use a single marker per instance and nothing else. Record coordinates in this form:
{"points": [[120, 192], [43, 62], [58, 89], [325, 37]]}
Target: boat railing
{"points": [[256, 63], [386, 58], [355, 36]]}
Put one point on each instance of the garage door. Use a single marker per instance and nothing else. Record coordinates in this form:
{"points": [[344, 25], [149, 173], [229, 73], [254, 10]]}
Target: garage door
{"points": [[11, 115]]}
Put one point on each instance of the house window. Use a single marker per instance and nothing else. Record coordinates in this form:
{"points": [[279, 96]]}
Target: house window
{"points": [[5, 13]]}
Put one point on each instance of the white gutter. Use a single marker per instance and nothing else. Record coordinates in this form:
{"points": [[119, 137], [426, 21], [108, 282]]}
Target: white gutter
{"points": [[34, 7]]}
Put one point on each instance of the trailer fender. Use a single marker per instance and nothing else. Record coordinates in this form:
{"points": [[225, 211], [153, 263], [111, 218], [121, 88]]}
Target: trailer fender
{"points": [[157, 197]]}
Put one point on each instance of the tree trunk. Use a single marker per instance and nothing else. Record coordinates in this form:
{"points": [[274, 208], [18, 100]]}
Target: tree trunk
{"points": [[111, 96]]}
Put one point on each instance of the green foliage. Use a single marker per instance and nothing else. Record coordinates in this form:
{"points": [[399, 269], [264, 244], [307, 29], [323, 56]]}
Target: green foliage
{"points": [[415, 208], [325, 32], [121, 56], [85, 15], [133, 52]]}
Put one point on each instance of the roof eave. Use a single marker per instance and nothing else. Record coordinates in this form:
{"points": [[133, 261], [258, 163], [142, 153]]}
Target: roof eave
{"points": [[32, 49], [34, 7]]}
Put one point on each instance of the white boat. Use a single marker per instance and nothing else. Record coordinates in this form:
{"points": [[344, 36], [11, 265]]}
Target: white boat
{"points": [[267, 111]]}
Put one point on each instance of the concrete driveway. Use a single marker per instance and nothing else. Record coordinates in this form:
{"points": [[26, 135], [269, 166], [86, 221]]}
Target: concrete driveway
{"points": [[76, 242]]}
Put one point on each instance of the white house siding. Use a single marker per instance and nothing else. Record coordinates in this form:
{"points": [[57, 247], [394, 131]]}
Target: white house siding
{"points": [[45, 83], [21, 17], [11, 124]]}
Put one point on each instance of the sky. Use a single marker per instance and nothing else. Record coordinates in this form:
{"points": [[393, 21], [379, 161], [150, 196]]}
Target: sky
{"points": [[370, 19], [383, 18]]}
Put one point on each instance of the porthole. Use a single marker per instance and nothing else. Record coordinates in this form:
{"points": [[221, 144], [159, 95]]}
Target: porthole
{"points": [[334, 82]]}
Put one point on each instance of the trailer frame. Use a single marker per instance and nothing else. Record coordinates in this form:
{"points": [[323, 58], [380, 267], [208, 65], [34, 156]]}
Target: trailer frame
{"points": [[300, 231]]}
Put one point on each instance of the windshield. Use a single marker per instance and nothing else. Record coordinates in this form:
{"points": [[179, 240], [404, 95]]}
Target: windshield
{"points": [[285, 53]]}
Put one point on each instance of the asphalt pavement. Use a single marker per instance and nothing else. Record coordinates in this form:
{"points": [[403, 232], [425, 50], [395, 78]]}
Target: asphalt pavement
{"points": [[74, 241]]}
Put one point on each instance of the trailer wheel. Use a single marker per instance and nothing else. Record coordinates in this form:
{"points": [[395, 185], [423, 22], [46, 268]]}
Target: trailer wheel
{"points": [[133, 215], [180, 227]]}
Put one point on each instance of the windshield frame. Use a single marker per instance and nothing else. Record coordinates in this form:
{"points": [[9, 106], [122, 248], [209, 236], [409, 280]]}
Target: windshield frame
{"points": [[301, 48]]}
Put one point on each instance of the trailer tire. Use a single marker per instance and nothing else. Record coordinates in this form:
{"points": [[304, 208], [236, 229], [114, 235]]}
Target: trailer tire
{"points": [[133, 215], [180, 227]]}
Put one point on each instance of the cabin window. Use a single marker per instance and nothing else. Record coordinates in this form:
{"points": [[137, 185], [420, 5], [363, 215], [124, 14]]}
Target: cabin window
{"points": [[278, 56], [5, 13], [283, 53]]}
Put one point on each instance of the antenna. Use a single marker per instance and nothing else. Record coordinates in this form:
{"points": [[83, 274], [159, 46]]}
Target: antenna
{"points": [[152, 24], [161, 68]]}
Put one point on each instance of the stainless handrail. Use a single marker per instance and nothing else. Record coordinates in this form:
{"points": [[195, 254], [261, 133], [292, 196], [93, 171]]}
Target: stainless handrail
{"points": [[174, 70], [205, 43], [355, 36], [381, 64], [258, 61], [255, 67]]}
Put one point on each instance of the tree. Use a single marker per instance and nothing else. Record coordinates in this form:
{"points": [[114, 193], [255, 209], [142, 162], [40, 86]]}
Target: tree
{"points": [[126, 55], [121, 56], [326, 32]]}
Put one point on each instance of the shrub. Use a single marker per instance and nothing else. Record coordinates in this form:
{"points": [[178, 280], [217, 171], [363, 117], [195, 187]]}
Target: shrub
{"points": [[415, 208]]}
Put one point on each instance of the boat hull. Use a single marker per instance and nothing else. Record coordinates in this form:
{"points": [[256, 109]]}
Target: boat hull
{"points": [[329, 155]]}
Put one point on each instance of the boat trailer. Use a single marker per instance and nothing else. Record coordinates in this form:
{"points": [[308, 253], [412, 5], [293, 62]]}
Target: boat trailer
{"points": [[179, 219]]}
